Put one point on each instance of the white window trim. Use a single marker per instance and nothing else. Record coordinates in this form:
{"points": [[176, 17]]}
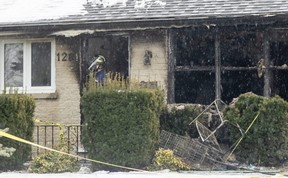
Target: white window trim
{"points": [[27, 88]]}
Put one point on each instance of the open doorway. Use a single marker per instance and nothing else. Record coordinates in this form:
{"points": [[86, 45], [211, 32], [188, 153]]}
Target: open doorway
{"points": [[114, 49]]}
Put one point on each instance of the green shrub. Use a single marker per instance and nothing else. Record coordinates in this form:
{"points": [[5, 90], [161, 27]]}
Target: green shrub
{"points": [[53, 162], [266, 143], [122, 126], [177, 120], [165, 159], [16, 113], [4, 151]]}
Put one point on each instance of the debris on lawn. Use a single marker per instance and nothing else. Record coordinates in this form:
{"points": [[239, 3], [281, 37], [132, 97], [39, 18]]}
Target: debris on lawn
{"points": [[205, 151], [196, 153]]}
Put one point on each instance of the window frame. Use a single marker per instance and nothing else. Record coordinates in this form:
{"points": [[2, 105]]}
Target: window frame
{"points": [[27, 68]]}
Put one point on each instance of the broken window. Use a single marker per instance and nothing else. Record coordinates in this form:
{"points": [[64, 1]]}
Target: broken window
{"points": [[279, 69], [195, 76], [212, 64], [27, 65], [240, 54], [195, 87]]}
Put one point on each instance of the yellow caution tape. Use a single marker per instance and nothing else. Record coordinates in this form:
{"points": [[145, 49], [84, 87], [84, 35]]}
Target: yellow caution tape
{"points": [[48, 122], [61, 133], [241, 138], [4, 134]]}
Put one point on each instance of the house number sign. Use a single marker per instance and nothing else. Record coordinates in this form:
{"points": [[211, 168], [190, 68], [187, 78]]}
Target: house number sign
{"points": [[64, 56]]}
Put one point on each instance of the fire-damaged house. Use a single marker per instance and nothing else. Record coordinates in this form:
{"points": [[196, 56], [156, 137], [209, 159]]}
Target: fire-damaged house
{"points": [[196, 50]]}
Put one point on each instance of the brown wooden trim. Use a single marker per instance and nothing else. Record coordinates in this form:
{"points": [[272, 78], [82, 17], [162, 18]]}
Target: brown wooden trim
{"points": [[195, 68], [238, 68]]}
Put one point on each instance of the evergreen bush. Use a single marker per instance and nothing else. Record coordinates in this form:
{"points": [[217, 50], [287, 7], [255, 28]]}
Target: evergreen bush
{"points": [[266, 143], [165, 159], [4, 151], [177, 120], [121, 124], [53, 162], [16, 113]]}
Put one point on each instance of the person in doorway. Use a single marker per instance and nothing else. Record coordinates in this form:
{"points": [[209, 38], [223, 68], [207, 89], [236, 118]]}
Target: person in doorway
{"points": [[98, 65]]}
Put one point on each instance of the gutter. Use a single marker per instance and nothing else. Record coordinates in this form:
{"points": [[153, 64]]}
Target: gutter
{"points": [[193, 20]]}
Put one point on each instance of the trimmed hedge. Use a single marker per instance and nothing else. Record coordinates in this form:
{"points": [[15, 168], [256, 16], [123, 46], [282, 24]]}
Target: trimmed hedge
{"points": [[16, 113], [122, 127], [266, 143]]}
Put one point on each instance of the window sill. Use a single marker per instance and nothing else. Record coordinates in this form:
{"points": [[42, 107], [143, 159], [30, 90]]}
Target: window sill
{"points": [[53, 95]]}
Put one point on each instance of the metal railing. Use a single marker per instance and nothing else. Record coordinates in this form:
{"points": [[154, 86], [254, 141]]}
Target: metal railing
{"points": [[58, 137]]}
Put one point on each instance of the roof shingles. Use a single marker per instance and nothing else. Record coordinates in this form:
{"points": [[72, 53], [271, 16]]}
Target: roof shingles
{"points": [[166, 9]]}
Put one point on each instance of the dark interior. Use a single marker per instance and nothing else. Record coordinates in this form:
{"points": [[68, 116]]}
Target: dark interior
{"points": [[240, 53]]}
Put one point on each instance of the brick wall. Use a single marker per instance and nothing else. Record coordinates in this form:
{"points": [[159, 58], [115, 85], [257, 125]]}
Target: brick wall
{"points": [[65, 108], [157, 71]]}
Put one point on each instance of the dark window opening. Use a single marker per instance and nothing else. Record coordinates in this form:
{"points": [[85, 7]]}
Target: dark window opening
{"points": [[194, 50], [234, 83], [278, 65], [194, 87], [234, 71], [195, 60], [240, 50], [240, 54]]}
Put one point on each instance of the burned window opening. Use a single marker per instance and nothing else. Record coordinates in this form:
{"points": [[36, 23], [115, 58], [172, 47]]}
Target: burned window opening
{"points": [[234, 83], [195, 65], [240, 49], [194, 50], [279, 68], [240, 58], [194, 87], [240, 65]]}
